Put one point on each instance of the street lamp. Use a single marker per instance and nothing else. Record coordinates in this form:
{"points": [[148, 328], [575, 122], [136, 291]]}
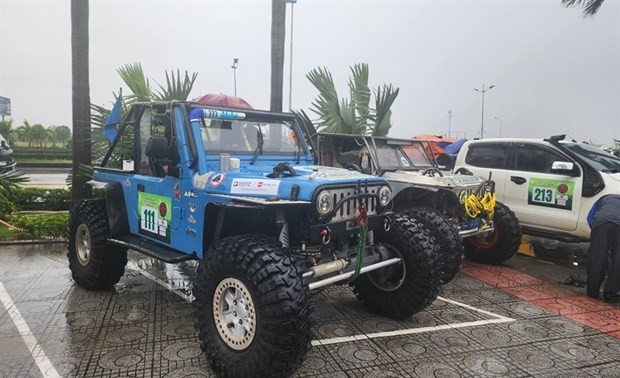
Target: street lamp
{"points": [[290, 71], [483, 91], [500, 126], [234, 67]]}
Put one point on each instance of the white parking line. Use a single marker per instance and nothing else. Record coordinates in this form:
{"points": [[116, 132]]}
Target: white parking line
{"points": [[162, 283], [337, 340], [37, 353], [410, 331]]}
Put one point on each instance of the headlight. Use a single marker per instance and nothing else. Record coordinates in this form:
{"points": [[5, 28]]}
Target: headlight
{"points": [[385, 195], [462, 196], [324, 203]]}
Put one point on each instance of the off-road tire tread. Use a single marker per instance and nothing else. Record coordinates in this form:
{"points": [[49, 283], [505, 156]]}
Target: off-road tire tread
{"points": [[447, 237], [508, 243], [421, 285], [107, 263], [283, 333]]}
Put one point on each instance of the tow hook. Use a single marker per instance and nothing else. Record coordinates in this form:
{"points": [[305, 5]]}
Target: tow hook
{"points": [[387, 224], [326, 235]]}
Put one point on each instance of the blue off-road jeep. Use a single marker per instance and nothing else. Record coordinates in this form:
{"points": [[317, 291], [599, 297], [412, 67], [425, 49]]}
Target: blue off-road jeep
{"points": [[237, 189]]}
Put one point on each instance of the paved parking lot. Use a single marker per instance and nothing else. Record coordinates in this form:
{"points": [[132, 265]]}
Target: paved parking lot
{"points": [[488, 322]]}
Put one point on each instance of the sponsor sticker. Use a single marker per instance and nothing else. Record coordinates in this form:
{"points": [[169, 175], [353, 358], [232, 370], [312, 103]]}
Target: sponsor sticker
{"points": [[254, 186], [551, 193], [217, 179], [154, 216]]}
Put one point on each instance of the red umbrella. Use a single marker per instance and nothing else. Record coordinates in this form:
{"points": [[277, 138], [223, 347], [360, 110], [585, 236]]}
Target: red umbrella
{"points": [[223, 100], [435, 138]]}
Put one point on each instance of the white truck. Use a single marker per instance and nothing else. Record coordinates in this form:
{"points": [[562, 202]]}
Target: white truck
{"points": [[550, 184]]}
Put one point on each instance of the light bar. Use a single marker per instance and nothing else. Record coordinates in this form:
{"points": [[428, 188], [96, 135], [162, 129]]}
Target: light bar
{"points": [[197, 114], [399, 142]]}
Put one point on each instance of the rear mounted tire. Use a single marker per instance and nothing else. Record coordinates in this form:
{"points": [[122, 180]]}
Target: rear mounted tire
{"points": [[253, 314], [448, 240], [401, 290], [499, 246], [94, 264]]}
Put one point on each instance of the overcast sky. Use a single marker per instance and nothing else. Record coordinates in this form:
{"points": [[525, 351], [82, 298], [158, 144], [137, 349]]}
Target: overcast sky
{"points": [[554, 71]]}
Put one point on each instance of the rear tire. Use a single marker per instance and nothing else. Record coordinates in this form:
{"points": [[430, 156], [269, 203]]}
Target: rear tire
{"points": [[450, 251], [94, 264], [401, 290], [253, 314], [497, 247]]}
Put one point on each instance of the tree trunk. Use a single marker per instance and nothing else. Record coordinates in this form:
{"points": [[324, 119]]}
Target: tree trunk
{"points": [[278, 32], [81, 98]]}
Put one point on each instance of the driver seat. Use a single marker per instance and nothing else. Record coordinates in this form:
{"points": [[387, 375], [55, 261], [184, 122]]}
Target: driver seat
{"points": [[156, 151]]}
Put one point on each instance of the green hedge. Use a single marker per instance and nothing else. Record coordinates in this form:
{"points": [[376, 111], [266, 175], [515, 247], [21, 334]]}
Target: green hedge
{"points": [[6, 207], [42, 225], [41, 153], [40, 199]]}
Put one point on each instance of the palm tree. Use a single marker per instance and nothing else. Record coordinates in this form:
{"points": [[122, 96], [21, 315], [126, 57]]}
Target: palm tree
{"points": [[60, 134], [81, 98], [590, 7], [278, 32], [39, 134], [24, 133], [353, 115]]}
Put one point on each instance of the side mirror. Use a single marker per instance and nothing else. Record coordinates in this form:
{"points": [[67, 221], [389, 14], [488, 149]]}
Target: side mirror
{"points": [[2, 143], [564, 168]]}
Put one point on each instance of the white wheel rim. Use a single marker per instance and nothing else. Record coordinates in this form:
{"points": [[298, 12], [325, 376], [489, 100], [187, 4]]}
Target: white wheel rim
{"points": [[83, 244], [234, 313]]}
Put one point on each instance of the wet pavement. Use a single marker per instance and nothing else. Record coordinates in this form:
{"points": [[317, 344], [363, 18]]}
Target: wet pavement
{"points": [[488, 322]]}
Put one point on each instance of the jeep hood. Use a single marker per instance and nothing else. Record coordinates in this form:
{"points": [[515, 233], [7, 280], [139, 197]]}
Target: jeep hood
{"points": [[254, 181], [446, 181]]}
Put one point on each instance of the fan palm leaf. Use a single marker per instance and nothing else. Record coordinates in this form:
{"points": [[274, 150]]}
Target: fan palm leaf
{"points": [[12, 179], [384, 99], [326, 106], [133, 76], [176, 89], [590, 7], [360, 96]]}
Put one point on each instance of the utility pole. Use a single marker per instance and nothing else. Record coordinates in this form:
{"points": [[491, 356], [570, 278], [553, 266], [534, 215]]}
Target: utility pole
{"points": [[449, 121], [234, 67], [483, 91]]}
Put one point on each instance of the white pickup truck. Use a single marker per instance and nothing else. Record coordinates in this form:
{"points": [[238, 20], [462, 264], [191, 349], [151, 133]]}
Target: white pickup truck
{"points": [[550, 184]]}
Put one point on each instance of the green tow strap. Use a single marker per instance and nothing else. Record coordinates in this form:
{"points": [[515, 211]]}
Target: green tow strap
{"points": [[362, 221]]}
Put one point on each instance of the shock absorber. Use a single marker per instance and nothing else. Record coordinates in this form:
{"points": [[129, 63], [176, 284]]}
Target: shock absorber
{"points": [[282, 224]]}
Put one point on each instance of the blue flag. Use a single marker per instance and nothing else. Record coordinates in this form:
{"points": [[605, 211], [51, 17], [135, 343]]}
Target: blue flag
{"points": [[110, 129]]}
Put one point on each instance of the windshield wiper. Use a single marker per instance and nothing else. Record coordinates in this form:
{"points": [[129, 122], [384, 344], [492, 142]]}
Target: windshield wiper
{"points": [[613, 170], [259, 145]]}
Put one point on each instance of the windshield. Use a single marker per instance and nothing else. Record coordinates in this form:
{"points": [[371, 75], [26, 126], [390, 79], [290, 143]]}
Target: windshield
{"points": [[597, 158], [418, 155], [243, 137]]}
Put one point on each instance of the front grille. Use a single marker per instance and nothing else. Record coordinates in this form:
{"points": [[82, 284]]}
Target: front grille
{"points": [[349, 210]]}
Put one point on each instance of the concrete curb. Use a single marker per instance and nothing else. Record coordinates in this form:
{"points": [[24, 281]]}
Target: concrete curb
{"points": [[35, 241]]}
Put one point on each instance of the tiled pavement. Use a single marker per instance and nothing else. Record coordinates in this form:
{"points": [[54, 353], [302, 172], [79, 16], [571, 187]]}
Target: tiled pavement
{"points": [[488, 322]]}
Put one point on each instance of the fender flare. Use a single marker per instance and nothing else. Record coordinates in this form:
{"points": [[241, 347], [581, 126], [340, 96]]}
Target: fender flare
{"points": [[115, 205]]}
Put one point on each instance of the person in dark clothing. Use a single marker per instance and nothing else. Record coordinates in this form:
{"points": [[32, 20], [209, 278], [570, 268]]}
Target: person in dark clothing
{"points": [[604, 251]]}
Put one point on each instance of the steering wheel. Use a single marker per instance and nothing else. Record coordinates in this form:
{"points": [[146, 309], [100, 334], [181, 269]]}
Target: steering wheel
{"points": [[282, 170], [353, 167], [464, 171], [432, 172]]}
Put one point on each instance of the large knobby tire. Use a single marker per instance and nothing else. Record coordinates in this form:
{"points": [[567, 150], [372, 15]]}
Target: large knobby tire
{"points": [[447, 238], [252, 308], [94, 264], [401, 290], [497, 247]]}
